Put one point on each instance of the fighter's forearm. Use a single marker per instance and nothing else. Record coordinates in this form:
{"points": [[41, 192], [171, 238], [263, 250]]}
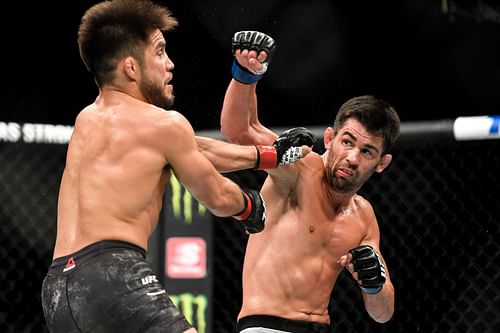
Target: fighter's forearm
{"points": [[380, 306], [239, 112], [227, 157], [291, 146]]}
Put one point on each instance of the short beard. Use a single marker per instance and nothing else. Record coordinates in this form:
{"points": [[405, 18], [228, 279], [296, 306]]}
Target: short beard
{"points": [[339, 184], [155, 95], [343, 186]]}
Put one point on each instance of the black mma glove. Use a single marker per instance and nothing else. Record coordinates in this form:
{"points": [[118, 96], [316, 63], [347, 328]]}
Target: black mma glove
{"points": [[251, 40], [285, 150], [370, 268], [253, 216]]}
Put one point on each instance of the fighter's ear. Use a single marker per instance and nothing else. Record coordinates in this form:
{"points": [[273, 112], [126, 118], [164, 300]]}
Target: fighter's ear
{"points": [[328, 136], [130, 67], [384, 162]]}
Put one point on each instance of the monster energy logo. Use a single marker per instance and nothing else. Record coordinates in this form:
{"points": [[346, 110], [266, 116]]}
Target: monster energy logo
{"points": [[182, 202], [194, 309]]}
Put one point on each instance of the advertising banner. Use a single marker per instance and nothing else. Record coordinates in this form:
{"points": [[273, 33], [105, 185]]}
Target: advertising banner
{"points": [[185, 233]]}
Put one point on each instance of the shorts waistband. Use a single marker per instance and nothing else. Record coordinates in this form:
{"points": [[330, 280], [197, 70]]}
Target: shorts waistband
{"points": [[278, 323], [92, 249]]}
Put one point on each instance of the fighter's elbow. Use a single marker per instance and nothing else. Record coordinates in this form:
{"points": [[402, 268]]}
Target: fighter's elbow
{"points": [[218, 206], [383, 319], [236, 135], [383, 316], [231, 132], [226, 131]]}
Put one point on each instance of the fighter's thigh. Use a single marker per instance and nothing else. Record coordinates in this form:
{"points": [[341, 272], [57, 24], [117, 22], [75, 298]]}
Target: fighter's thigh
{"points": [[120, 292], [55, 306], [168, 320]]}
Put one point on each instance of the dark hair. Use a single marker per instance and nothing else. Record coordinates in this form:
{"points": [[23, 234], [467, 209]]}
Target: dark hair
{"points": [[376, 115], [113, 29]]}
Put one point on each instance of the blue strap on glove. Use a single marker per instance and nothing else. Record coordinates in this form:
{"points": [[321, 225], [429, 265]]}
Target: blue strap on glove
{"points": [[241, 74], [253, 41], [370, 268]]}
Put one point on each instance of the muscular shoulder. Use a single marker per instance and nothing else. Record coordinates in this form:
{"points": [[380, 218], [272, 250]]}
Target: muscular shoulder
{"points": [[363, 206], [361, 201], [85, 114], [288, 177], [172, 133], [170, 124], [367, 215], [287, 182]]}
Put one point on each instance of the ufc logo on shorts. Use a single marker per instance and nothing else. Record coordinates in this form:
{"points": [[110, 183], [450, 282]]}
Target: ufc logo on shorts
{"points": [[149, 279]]}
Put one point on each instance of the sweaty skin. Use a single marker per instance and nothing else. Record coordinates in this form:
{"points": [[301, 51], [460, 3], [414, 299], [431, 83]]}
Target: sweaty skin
{"points": [[295, 281], [122, 152], [114, 178], [291, 267]]}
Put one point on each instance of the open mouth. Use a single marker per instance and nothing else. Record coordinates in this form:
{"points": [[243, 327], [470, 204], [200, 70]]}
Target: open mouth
{"points": [[343, 172]]}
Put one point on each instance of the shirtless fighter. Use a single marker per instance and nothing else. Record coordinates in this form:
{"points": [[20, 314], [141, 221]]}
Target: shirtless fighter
{"points": [[123, 149], [317, 225]]}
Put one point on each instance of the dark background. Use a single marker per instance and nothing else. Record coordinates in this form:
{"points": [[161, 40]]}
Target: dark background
{"points": [[432, 59], [439, 218]]}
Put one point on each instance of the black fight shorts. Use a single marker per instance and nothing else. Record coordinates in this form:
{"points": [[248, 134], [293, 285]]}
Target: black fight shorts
{"points": [[107, 287], [271, 324]]}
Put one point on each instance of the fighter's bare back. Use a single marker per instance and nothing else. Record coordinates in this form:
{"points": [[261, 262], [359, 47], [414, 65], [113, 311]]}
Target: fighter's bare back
{"points": [[101, 195]]}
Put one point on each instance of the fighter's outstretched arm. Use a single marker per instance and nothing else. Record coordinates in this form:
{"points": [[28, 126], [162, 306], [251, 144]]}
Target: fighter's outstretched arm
{"points": [[252, 52], [289, 147]]}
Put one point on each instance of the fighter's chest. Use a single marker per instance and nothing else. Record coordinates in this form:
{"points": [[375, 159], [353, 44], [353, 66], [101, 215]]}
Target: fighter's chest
{"points": [[333, 235]]}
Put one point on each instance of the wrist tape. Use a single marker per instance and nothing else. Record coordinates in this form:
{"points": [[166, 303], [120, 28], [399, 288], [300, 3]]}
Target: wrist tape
{"points": [[267, 157], [245, 213], [371, 290], [242, 75]]}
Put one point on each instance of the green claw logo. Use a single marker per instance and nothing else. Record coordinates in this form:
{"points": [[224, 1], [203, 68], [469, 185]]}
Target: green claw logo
{"points": [[194, 309], [182, 202]]}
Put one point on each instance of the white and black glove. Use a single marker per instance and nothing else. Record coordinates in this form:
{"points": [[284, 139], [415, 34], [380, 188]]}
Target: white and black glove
{"points": [[285, 150]]}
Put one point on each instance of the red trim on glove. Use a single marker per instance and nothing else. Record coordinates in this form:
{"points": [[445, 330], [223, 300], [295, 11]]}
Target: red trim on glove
{"points": [[245, 213], [268, 157]]}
